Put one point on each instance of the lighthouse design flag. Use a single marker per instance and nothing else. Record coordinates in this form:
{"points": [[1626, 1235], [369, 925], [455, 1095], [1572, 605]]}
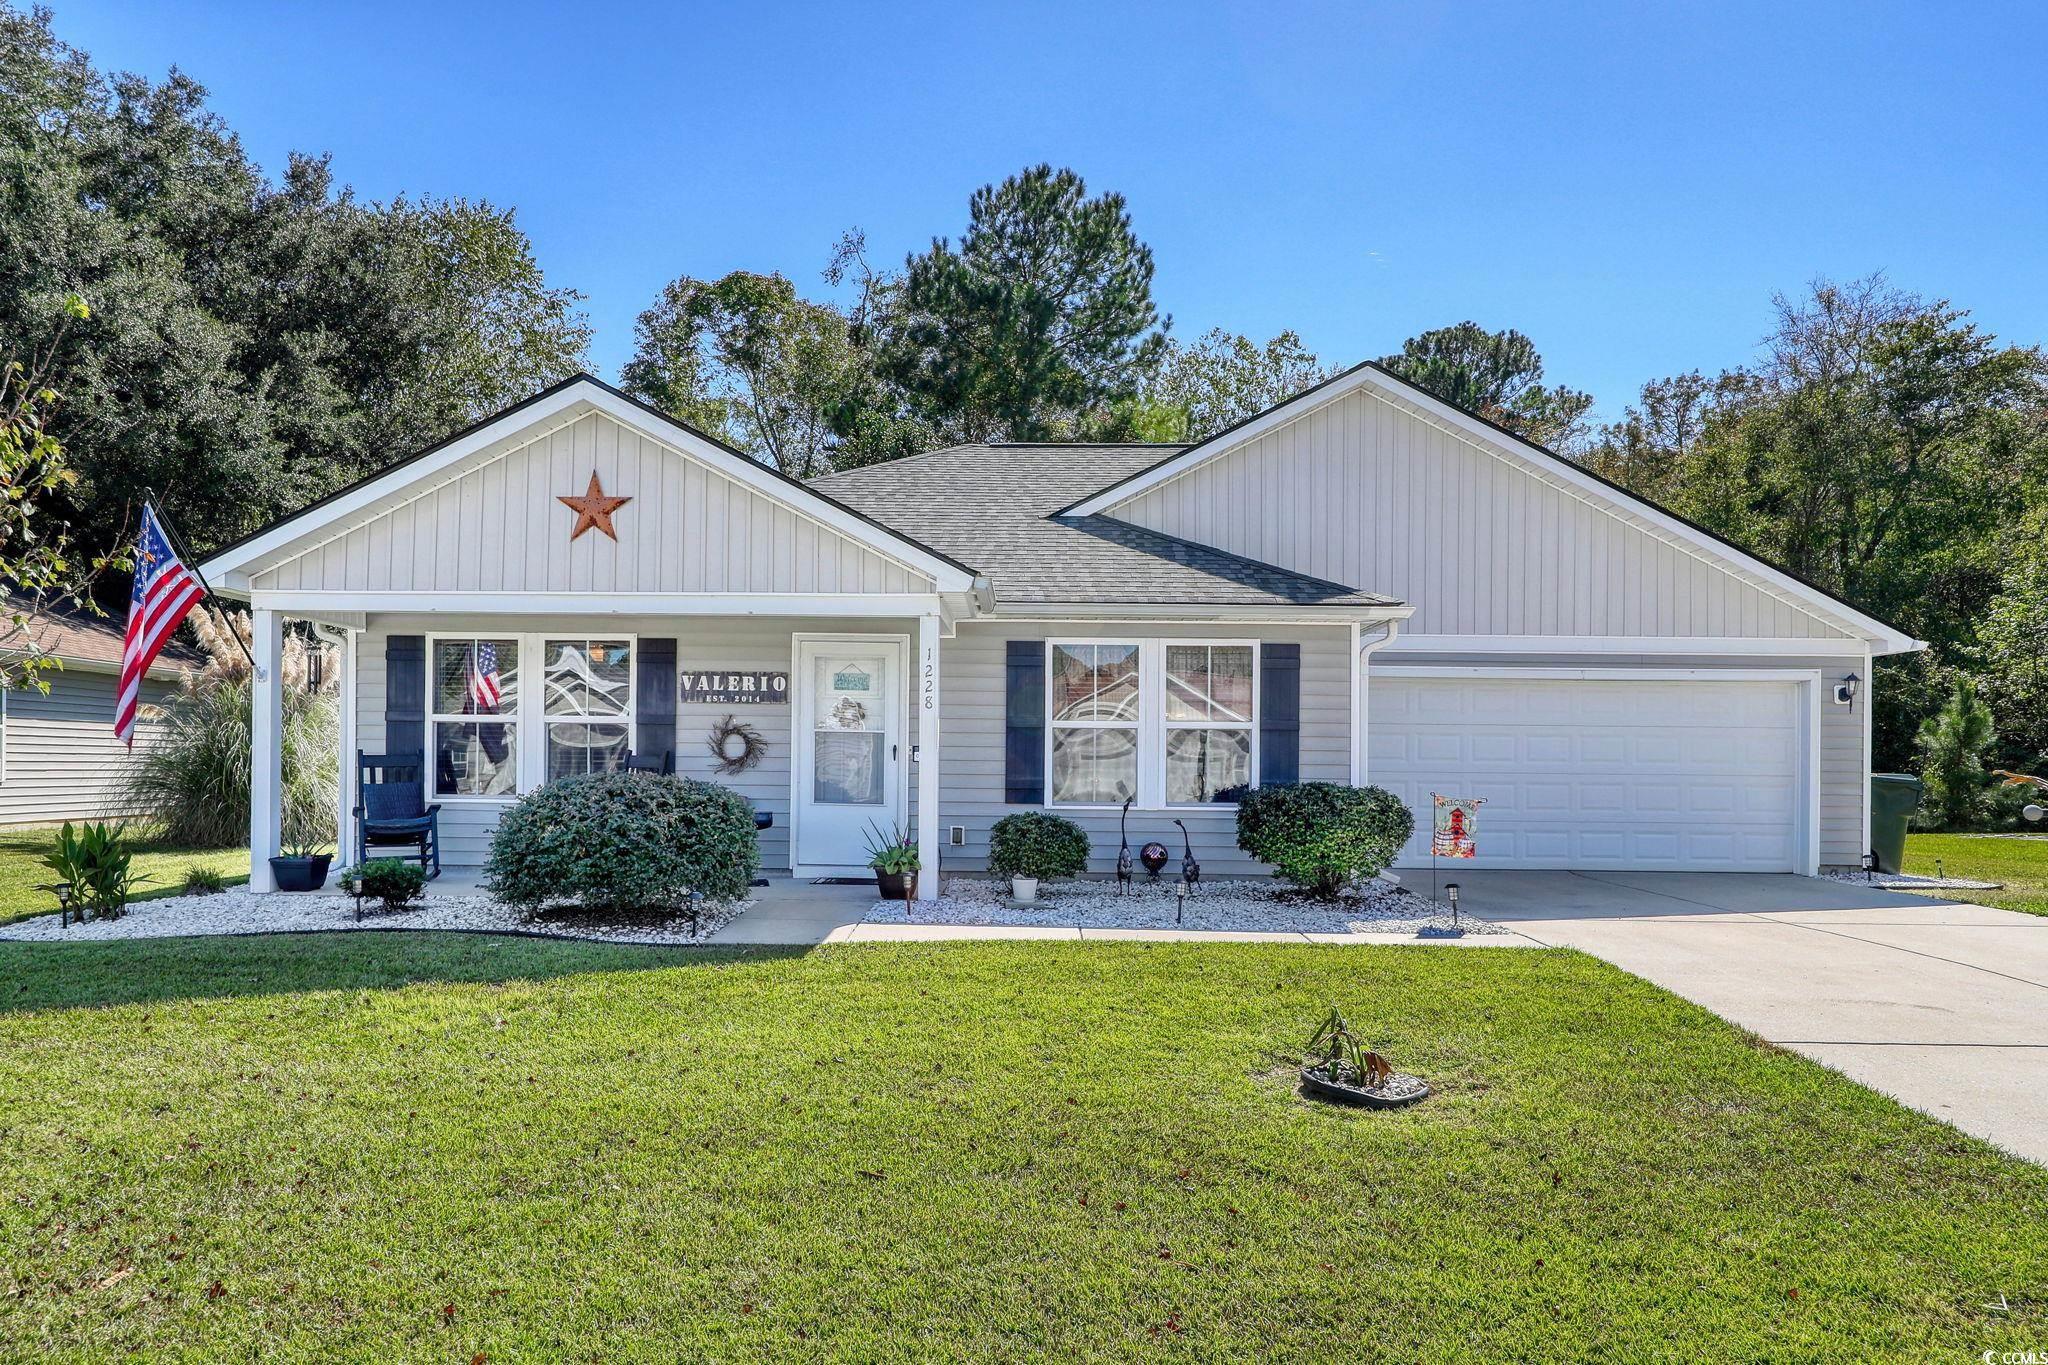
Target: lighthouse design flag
{"points": [[1457, 826]]}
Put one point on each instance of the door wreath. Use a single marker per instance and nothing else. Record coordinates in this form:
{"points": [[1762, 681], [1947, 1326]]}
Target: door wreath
{"points": [[737, 745]]}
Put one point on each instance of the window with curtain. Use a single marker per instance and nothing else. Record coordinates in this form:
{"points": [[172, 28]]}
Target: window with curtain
{"points": [[1208, 721], [475, 679], [587, 695], [1094, 717]]}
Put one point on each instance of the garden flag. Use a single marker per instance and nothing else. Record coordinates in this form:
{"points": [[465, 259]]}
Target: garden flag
{"points": [[1457, 826], [165, 592]]}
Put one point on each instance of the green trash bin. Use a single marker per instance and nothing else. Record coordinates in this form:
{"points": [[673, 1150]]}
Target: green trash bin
{"points": [[1893, 799]]}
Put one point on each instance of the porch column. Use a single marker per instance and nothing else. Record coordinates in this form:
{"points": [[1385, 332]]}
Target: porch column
{"points": [[266, 736], [345, 785], [925, 702]]}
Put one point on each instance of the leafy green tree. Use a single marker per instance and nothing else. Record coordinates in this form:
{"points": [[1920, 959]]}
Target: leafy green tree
{"points": [[747, 360], [1498, 375], [1041, 318], [1197, 389], [252, 345], [1952, 744], [2010, 656]]}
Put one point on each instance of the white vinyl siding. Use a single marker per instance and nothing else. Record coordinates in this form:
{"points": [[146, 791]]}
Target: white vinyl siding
{"points": [[1366, 492], [498, 527]]}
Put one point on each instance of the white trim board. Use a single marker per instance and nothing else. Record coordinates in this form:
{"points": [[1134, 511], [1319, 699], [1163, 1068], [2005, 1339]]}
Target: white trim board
{"points": [[322, 604], [1847, 650], [1544, 464]]}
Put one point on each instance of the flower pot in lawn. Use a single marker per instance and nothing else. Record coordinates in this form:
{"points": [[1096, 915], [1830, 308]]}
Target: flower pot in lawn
{"points": [[301, 874], [897, 886], [1024, 889]]}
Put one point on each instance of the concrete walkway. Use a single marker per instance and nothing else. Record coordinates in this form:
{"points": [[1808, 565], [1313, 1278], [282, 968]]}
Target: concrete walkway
{"points": [[1941, 1005]]}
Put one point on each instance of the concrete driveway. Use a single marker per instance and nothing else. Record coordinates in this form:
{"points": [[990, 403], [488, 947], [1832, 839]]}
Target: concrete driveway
{"points": [[1939, 1004]]}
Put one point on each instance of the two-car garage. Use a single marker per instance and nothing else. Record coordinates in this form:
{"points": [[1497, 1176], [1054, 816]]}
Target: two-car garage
{"points": [[1605, 769]]}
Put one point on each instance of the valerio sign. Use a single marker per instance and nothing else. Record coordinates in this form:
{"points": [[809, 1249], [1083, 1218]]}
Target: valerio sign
{"points": [[734, 687]]}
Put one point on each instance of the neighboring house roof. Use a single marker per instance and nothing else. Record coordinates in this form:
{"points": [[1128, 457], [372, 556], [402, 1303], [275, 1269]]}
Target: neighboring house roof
{"points": [[92, 643], [230, 565], [996, 506], [1372, 374]]}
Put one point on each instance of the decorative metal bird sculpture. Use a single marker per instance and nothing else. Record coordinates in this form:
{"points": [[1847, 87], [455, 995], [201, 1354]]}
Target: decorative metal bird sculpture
{"points": [[1123, 856], [1190, 870]]}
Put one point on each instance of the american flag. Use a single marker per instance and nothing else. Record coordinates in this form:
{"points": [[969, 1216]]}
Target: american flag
{"points": [[164, 592], [486, 689]]}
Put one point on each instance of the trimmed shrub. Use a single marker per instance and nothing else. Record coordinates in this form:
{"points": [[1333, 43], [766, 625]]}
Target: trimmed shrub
{"points": [[393, 881], [616, 841], [1323, 836], [1037, 844]]}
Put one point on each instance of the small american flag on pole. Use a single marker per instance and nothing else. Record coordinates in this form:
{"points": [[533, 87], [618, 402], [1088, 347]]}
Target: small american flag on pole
{"points": [[486, 688], [165, 592]]}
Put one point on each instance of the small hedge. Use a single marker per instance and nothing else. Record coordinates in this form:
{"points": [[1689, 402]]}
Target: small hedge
{"points": [[1037, 844], [1323, 836], [617, 841]]}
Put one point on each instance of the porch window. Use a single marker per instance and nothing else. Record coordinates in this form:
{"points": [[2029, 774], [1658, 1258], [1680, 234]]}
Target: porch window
{"points": [[587, 694], [475, 678], [1095, 714], [1208, 720]]}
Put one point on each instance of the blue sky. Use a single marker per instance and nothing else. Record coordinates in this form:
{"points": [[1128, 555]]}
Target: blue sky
{"points": [[1626, 183]]}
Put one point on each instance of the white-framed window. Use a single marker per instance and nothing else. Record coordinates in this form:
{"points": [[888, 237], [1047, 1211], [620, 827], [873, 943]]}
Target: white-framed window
{"points": [[587, 704], [469, 679], [1171, 723], [1093, 718], [1208, 703]]}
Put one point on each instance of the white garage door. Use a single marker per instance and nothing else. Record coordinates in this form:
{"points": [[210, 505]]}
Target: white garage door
{"points": [[1583, 773]]}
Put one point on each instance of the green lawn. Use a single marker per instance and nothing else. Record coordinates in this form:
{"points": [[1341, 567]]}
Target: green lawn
{"points": [[22, 872], [2019, 861], [430, 1147]]}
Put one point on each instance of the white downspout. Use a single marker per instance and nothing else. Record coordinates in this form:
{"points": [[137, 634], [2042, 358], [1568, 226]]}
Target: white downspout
{"points": [[1361, 681]]}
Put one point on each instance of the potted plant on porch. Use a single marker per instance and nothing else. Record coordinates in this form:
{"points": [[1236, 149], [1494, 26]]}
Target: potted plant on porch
{"points": [[1034, 846], [893, 856], [300, 867]]}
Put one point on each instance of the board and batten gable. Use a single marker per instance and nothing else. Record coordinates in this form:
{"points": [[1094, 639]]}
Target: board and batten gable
{"points": [[496, 526], [1369, 491]]}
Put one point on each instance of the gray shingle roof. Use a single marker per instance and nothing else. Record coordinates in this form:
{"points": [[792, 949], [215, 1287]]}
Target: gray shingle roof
{"points": [[992, 506]]}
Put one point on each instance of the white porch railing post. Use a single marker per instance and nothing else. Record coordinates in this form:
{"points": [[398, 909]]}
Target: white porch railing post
{"points": [[266, 740], [925, 705], [345, 785]]}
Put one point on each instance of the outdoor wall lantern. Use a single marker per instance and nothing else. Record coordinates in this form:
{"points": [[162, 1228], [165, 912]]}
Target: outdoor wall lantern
{"points": [[1845, 690]]}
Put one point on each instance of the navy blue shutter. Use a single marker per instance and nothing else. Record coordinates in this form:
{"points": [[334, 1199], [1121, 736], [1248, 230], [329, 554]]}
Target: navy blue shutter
{"points": [[1279, 715], [1024, 724], [654, 701], [405, 695]]}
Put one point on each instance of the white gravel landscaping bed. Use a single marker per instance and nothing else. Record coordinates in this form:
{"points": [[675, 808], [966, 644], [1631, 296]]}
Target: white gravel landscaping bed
{"points": [[248, 912], [1223, 906], [1905, 881]]}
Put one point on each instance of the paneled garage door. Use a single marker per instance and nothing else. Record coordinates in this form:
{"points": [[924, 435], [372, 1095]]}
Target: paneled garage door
{"points": [[1584, 773]]}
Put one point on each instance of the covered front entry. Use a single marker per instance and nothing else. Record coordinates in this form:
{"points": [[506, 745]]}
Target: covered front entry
{"points": [[1602, 769], [848, 778]]}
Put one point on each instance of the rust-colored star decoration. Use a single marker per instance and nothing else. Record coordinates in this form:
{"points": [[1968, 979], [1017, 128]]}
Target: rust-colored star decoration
{"points": [[593, 509]]}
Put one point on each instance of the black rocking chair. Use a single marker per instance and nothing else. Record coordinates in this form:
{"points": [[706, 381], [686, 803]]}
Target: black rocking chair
{"points": [[663, 763], [392, 809]]}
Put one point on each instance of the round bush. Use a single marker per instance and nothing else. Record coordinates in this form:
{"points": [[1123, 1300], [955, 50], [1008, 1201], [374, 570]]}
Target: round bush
{"points": [[615, 841], [1323, 836], [1037, 844]]}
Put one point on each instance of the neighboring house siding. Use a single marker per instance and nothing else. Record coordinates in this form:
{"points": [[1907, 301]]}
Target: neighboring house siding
{"points": [[1367, 492], [499, 528], [971, 774], [62, 761], [1843, 784], [701, 642]]}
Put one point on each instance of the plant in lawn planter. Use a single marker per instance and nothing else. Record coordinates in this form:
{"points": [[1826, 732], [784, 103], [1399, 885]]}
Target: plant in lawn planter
{"points": [[1323, 836], [624, 841], [1343, 1069], [893, 855], [94, 870], [1034, 846]]}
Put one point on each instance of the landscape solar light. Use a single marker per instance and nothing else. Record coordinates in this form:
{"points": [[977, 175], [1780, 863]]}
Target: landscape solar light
{"points": [[1451, 890]]}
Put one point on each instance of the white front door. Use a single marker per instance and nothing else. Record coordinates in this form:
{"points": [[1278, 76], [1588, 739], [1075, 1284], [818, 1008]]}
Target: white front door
{"points": [[848, 775]]}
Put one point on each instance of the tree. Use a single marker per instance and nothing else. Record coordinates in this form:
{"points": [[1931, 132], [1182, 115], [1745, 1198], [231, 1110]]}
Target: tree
{"points": [[1196, 390], [747, 360], [2011, 651], [1952, 744], [252, 345], [1498, 375], [1041, 318]]}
